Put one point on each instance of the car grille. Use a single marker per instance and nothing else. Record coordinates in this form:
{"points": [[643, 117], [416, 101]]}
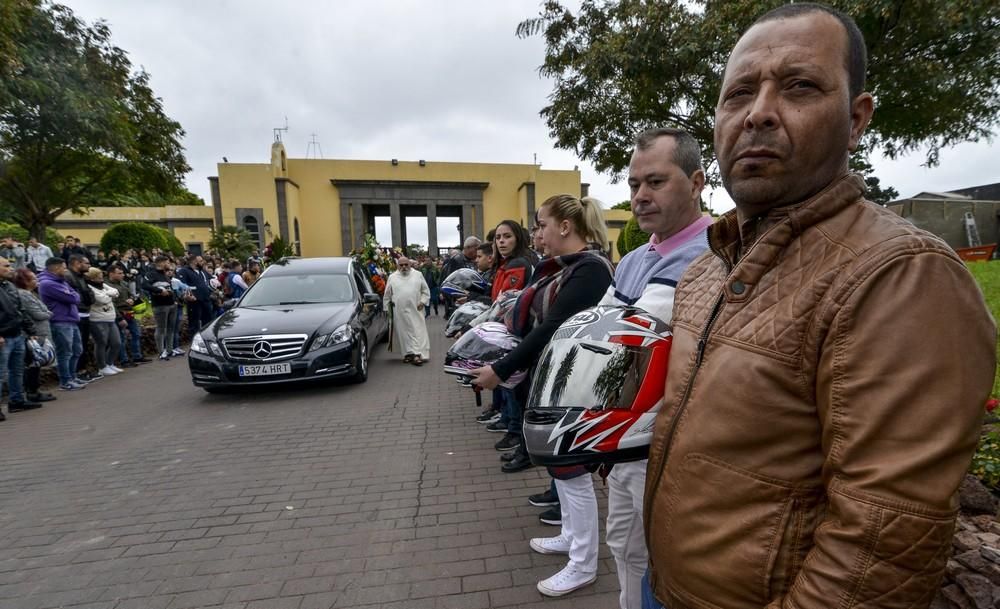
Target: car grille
{"points": [[272, 347]]}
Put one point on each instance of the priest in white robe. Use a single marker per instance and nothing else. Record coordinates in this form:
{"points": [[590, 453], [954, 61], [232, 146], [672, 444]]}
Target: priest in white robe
{"points": [[408, 292]]}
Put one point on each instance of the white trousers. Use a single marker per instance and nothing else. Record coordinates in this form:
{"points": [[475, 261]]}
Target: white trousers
{"points": [[578, 505], [626, 485]]}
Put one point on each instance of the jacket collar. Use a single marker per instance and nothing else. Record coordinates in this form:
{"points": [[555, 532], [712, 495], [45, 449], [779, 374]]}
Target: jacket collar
{"points": [[776, 229]]}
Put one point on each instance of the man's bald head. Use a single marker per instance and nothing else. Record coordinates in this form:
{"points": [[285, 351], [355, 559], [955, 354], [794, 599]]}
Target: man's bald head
{"points": [[404, 264]]}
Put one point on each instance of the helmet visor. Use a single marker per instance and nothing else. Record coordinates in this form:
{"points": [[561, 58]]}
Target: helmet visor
{"points": [[589, 374]]}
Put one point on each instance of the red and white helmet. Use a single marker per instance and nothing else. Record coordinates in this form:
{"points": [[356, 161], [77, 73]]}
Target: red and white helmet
{"points": [[597, 388]]}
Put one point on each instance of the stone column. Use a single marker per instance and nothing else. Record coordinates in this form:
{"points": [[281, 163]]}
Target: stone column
{"points": [[432, 229], [397, 231], [358, 222], [345, 227], [468, 227]]}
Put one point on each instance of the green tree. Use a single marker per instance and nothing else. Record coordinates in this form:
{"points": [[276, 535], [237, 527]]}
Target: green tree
{"points": [[155, 199], [78, 126], [415, 250], [621, 66], [20, 234], [232, 242], [626, 205], [171, 243], [631, 237], [281, 249], [133, 235]]}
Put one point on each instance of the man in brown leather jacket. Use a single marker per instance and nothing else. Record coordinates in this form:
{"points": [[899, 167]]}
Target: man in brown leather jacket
{"points": [[830, 361]]}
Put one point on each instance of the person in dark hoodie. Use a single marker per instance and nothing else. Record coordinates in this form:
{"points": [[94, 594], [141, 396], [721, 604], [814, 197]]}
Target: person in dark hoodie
{"points": [[161, 297], [62, 300], [14, 325], [77, 267], [199, 310]]}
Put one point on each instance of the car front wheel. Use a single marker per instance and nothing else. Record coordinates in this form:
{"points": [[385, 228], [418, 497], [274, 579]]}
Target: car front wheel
{"points": [[361, 364]]}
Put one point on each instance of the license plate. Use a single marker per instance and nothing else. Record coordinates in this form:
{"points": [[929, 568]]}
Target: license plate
{"points": [[266, 369]]}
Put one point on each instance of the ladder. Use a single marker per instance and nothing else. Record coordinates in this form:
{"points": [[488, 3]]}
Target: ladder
{"points": [[971, 232]]}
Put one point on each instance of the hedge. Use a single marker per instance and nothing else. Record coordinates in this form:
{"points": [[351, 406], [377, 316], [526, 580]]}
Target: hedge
{"points": [[133, 235]]}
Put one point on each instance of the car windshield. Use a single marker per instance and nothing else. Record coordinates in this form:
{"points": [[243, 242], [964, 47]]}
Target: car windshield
{"points": [[298, 289]]}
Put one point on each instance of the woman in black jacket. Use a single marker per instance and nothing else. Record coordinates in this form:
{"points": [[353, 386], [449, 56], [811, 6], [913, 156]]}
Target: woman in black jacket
{"points": [[574, 277]]}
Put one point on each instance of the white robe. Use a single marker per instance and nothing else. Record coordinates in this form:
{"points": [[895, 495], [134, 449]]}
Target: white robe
{"points": [[406, 292]]}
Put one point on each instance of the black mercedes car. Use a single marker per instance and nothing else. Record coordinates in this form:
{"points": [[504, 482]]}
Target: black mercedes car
{"points": [[303, 319]]}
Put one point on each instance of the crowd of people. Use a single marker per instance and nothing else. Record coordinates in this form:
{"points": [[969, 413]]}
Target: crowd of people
{"points": [[810, 445], [82, 311], [828, 368]]}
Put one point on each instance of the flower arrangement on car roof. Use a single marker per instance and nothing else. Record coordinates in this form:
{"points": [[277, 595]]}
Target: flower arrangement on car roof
{"points": [[377, 261]]}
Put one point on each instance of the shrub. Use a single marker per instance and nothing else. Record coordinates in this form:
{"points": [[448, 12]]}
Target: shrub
{"points": [[133, 235], [232, 242], [20, 234], [986, 462], [631, 237], [173, 244], [280, 249]]}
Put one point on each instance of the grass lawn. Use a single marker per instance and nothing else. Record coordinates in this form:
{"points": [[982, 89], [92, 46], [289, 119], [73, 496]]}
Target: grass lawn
{"points": [[987, 274]]}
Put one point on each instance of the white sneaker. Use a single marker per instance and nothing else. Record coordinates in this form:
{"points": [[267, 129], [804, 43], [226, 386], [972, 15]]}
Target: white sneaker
{"points": [[550, 545], [566, 581], [116, 368], [177, 352], [108, 371]]}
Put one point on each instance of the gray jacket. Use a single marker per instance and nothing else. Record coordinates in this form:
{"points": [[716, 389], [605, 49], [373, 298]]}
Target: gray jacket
{"points": [[37, 311]]}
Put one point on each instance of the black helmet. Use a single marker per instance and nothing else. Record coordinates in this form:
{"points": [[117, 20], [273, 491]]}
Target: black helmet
{"points": [[459, 283]]}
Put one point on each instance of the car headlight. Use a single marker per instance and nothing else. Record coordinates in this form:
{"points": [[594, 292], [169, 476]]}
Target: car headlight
{"points": [[214, 348], [340, 335], [318, 341], [198, 344]]}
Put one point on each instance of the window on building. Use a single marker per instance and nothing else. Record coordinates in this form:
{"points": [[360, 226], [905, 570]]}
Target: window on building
{"points": [[251, 226]]}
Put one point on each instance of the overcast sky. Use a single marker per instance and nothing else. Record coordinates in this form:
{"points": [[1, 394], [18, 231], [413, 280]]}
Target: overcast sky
{"points": [[441, 80]]}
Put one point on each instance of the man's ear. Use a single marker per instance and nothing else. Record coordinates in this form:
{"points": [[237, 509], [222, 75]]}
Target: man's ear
{"points": [[697, 185], [862, 108]]}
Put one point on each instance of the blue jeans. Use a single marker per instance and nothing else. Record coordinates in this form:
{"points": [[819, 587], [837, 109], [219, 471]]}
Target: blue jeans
{"points": [[648, 600], [177, 328], [69, 347], [12, 367], [513, 411], [498, 404], [134, 344]]}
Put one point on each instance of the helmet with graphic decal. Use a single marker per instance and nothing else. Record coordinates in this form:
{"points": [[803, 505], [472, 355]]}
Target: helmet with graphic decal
{"points": [[597, 388], [461, 320], [463, 281], [483, 345]]}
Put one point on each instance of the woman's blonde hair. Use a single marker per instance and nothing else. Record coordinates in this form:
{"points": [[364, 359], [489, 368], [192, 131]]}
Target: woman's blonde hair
{"points": [[585, 214]]}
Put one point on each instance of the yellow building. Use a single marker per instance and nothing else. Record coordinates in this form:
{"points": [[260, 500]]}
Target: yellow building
{"points": [[328, 205], [192, 225], [324, 207]]}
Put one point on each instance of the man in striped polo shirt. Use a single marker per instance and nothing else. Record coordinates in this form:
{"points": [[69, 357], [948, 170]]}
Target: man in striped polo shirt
{"points": [[666, 180]]}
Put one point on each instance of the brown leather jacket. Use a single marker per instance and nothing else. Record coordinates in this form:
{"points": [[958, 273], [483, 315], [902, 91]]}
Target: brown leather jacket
{"points": [[824, 400]]}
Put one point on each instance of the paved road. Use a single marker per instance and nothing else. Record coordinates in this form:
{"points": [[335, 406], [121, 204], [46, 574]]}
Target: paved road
{"points": [[144, 492]]}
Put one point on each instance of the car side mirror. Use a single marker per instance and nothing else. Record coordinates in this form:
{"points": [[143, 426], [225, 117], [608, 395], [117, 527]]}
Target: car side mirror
{"points": [[229, 304], [371, 299]]}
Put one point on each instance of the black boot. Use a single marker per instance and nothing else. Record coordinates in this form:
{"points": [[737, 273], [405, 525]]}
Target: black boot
{"points": [[521, 461]]}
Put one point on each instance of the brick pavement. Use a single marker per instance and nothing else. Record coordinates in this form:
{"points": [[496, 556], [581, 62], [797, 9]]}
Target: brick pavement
{"points": [[144, 492]]}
